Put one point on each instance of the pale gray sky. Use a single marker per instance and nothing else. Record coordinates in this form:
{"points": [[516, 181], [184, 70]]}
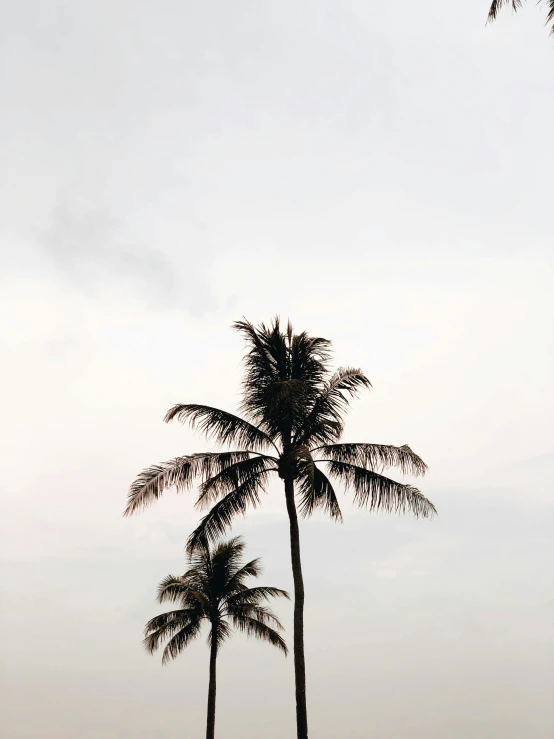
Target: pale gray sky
{"points": [[382, 174]]}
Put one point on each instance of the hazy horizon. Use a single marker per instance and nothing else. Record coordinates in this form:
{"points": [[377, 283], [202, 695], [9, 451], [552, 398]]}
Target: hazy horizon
{"points": [[380, 175]]}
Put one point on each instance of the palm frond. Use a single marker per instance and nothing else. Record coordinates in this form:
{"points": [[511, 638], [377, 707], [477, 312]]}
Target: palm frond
{"points": [[347, 380], [230, 552], [232, 477], [189, 590], [223, 427], [259, 630], [180, 641], [222, 633], [167, 625], [375, 456], [381, 493], [220, 518], [309, 358], [180, 473], [267, 354], [315, 492], [250, 569], [324, 422], [254, 596], [265, 364], [550, 14], [249, 610], [171, 589], [170, 620], [497, 5]]}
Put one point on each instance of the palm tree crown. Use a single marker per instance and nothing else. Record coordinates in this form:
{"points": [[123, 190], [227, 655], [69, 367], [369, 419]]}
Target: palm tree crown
{"points": [[213, 590], [293, 410], [497, 5]]}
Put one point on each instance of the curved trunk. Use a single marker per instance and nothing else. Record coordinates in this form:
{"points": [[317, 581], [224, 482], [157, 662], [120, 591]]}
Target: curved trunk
{"points": [[299, 662], [210, 729]]}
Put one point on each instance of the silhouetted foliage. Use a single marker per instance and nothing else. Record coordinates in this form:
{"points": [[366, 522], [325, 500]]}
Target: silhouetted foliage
{"points": [[213, 590], [497, 5], [293, 409]]}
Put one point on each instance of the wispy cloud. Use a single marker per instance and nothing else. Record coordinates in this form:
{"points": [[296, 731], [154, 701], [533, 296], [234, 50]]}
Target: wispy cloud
{"points": [[89, 246]]}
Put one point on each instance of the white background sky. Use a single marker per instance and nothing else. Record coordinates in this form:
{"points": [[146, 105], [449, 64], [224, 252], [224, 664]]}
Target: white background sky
{"points": [[382, 174]]}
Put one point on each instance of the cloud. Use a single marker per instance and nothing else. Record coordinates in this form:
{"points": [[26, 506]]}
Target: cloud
{"points": [[88, 244], [95, 251]]}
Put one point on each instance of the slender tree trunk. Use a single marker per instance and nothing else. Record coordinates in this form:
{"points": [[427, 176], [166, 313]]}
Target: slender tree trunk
{"points": [[299, 662], [210, 730]]}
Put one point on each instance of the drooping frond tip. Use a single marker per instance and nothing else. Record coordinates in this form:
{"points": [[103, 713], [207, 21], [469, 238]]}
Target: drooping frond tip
{"points": [[255, 622], [379, 493], [178, 627], [497, 5]]}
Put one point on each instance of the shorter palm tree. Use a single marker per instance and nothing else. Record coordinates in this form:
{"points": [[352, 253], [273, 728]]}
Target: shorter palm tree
{"points": [[213, 589]]}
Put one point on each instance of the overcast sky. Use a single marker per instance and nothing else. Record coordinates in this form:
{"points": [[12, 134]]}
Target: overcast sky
{"points": [[382, 174]]}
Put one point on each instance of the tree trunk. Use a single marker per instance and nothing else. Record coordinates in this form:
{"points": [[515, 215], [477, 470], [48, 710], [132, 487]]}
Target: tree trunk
{"points": [[210, 729], [299, 662]]}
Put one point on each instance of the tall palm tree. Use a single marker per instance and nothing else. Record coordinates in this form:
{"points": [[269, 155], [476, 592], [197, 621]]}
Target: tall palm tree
{"points": [[213, 589], [497, 5], [293, 408]]}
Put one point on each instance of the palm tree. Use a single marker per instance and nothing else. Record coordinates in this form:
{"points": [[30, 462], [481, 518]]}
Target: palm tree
{"points": [[497, 5], [213, 589], [293, 408]]}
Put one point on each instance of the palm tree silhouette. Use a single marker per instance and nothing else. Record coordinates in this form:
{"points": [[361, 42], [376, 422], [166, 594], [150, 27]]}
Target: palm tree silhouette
{"points": [[497, 5], [293, 407], [213, 589]]}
